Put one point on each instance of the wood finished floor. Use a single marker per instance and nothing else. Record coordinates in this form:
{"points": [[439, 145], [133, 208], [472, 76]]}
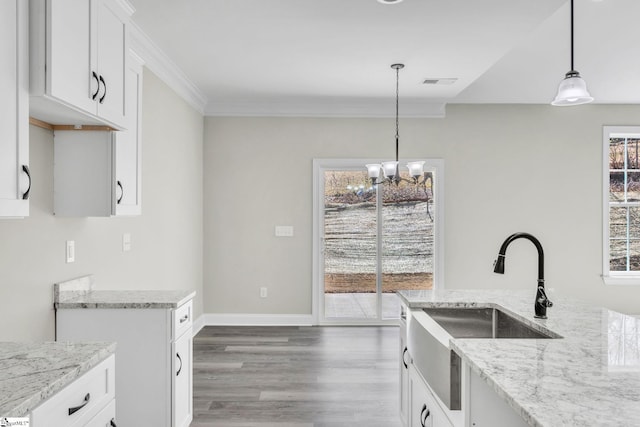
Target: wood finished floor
{"points": [[295, 377]]}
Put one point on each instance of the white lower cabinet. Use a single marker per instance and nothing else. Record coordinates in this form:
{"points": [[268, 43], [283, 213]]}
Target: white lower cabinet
{"points": [[405, 361], [154, 359], [485, 407], [424, 408], [89, 401], [182, 387]]}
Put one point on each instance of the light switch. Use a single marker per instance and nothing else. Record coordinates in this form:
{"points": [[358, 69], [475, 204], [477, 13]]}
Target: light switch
{"points": [[70, 251], [284, 231], [126, 242]]}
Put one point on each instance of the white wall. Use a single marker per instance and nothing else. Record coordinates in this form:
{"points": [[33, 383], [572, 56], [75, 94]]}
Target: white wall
{"points": [[508, 168], [166, 240]]}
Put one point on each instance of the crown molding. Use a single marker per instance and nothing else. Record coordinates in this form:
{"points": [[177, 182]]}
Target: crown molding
{"points": [[158, 62], [325, 107]]}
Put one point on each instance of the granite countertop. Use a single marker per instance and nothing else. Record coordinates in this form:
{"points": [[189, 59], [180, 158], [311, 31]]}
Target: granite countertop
{"points": [[591, 376], [32, 372], [79, 293]]}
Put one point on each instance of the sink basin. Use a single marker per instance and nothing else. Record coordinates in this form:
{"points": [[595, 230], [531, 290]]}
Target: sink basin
{"points": [[482, 323], [431, 329]]}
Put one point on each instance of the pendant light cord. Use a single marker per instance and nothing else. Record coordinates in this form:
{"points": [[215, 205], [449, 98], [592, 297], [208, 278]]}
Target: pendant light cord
{"points": [[397, 110], [572, 69]]}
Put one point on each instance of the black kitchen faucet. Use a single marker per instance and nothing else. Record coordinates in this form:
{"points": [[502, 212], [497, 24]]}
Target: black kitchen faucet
{"points": [[542, 302]]}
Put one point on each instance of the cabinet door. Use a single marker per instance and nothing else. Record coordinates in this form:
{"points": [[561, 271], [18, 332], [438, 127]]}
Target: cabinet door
{"points": [[14, 126], [424, 411], [404, 375], [112, 50], [128, 146], [69, 73], [182, 382]]}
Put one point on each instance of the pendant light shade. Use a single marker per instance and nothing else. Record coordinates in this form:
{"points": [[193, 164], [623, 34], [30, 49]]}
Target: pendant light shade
{"points": [[573, 89]]}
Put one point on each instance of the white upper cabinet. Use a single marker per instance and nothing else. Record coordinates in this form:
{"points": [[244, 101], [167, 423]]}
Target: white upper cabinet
{"points": [[98, 173], [128, 150], [15, 179], [79, 53]]}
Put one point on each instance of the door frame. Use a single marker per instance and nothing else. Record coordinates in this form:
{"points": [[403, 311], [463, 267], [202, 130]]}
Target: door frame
{"points": [[322, 165]]}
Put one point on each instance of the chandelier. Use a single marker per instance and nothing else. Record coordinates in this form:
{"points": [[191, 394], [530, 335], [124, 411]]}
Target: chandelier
{"points": [[390, 170]]}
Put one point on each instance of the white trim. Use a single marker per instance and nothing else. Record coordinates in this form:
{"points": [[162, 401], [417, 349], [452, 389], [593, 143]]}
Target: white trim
{"points": [[621, 280], [608, 277], [329, 107], [319, 166], [236, 319], [198, 324], [158, 62]]}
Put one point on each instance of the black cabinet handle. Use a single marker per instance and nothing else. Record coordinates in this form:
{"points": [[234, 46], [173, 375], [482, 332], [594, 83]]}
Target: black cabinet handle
{"points": [[119, 184], [180, 368], [424, 414], [105, 90], [404, 361], [95, 76], [77, 408], [25, 169], [112, 423]]}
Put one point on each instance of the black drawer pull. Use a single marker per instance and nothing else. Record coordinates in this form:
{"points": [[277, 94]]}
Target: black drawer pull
{"points": [[77, 408], [180, 368], [184, 318], [112, 423]]}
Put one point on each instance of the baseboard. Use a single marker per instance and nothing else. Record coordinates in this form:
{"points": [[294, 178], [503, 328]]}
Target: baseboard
{"points": [[198, 324], [236, 319]]}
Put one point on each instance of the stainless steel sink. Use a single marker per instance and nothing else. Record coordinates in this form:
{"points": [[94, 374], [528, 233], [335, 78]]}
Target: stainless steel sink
{"points": [[482, 323], [431, 329]]}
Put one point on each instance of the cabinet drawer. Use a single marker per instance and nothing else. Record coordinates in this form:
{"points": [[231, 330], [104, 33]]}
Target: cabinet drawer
{"points": [[84, 398], [105, 417], [182, 320]]}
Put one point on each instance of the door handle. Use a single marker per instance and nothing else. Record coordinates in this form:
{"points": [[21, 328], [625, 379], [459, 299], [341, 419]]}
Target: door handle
{"points": [[180, 368], [25, 195], [95, 76], [119, 184], [105, 90]]}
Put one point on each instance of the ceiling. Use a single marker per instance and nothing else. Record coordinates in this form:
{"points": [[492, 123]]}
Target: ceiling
{"points": [[333, 57]]}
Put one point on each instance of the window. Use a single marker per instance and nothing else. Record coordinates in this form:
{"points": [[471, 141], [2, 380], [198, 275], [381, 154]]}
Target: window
{"points": [[621, 230]]}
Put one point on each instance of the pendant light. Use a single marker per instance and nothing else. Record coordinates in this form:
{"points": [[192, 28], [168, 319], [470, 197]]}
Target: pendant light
{"points": [[390, 169], [572, 90]]}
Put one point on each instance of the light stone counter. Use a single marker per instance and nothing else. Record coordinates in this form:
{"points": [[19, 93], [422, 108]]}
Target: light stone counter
{"points": [[30, 373], [79, 293], [590, 377]]}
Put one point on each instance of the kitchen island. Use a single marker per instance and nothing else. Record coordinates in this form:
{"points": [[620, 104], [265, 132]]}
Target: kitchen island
{"points": [[589, 377], [31, 373]]}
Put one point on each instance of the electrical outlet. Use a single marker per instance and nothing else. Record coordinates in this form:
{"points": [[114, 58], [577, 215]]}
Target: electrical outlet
{"points": [[126, 242], [70, 251], [263, 292]]}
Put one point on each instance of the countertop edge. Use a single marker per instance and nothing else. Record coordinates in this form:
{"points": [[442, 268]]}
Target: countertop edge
{"points": [[85, 301], [31, 403]]}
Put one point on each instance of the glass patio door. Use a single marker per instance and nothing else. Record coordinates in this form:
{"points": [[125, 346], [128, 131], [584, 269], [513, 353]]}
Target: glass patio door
{"points": [[373, 241]]}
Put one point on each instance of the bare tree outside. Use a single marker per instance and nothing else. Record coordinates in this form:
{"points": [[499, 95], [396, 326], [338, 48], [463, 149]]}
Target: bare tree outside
{"points": [[351, 234]]}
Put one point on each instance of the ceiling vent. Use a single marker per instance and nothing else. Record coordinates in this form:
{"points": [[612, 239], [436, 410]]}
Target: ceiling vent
{"points": [[444, 81]]}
